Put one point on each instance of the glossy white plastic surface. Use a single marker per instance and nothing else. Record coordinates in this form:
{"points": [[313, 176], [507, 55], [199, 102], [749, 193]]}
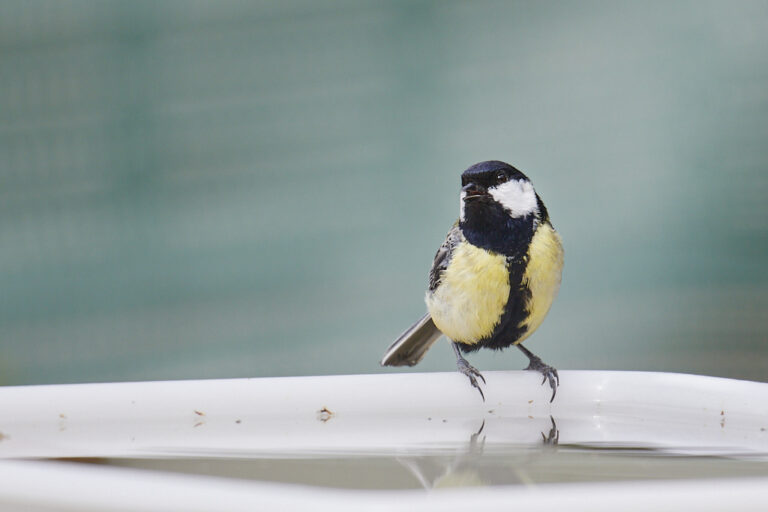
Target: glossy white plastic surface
{"points": [[368, 415], [47, 486], [380, 414]]}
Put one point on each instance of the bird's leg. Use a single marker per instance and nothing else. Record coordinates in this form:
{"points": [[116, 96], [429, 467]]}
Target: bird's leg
{"points": [[467, 369], [553, 437], [538, 365]]}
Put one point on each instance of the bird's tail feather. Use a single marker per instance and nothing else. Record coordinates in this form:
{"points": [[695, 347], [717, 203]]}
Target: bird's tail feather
{"points": [[410, 347]]}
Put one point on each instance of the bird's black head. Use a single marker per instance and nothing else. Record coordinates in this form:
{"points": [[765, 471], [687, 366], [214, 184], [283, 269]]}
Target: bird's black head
{"points": [[491, 173], [499, 207]]}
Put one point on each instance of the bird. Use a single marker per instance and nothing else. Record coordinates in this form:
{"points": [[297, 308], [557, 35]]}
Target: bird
{"points": [[494, 278]]}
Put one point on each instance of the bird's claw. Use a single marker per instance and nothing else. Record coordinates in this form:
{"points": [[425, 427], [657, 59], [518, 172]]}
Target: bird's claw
{"points": [[549, 373], [472, 374], [554, 434]]}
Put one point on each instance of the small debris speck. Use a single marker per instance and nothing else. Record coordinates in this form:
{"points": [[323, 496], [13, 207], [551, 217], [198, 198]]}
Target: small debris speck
{"points": [[3, 437], [762, 429], [429, 419], [199, 413], [722, 413], [530, 401], [62, 416], [445, 421], [199, 423], [238, 421], [530, 417], [491, 411], [324, 414]]}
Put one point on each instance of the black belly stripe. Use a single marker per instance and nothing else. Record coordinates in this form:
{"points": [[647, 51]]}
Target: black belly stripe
{"points": [[495, 230], [512, 325]]}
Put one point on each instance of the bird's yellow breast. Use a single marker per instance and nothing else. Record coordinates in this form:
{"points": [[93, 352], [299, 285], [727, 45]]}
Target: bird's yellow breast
{"points": [[474, 288], [472, 294], [542, 275]]}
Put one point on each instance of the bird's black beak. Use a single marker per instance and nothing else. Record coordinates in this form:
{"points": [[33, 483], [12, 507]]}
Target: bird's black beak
{"points": [[474, 191]]}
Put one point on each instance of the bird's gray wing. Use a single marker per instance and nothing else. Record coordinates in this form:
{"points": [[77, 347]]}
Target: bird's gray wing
{"points": [[410, 347], [443, 256]]}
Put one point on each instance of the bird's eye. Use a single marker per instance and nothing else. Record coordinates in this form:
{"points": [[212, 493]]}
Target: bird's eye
{"points": [[501, 177]]}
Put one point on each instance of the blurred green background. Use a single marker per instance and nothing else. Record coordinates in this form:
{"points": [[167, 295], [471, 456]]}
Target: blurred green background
{"points": [[229, 189]]}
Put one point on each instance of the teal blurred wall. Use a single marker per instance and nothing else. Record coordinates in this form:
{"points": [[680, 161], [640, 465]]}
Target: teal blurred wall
{"points": [[225, 189]]}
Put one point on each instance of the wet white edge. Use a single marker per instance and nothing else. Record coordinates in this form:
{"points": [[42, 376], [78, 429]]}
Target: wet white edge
{"points": [[382, 414], [386, 414], [48, 486]]}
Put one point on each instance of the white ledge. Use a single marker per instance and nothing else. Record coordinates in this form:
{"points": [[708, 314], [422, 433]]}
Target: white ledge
{"points": [[387, 415], [46, 486], [380, 415]]}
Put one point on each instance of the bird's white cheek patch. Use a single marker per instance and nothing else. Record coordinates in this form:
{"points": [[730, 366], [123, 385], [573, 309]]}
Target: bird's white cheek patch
{"points": [[461, 205], [516, 196]]}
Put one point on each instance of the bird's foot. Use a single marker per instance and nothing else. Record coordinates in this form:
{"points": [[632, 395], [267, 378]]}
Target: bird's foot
{"points": [[472, 374], [554, 434], [549, 373]]}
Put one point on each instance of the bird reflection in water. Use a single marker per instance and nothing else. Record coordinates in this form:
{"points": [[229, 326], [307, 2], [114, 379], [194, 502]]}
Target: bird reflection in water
{"points": [[473, 467]]}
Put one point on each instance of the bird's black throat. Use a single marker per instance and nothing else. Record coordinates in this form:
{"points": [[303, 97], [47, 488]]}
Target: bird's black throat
{"points": [[489, 226]]}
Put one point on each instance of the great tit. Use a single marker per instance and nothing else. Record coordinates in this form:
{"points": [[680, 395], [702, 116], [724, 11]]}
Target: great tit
{"points": [[494, 278]]}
